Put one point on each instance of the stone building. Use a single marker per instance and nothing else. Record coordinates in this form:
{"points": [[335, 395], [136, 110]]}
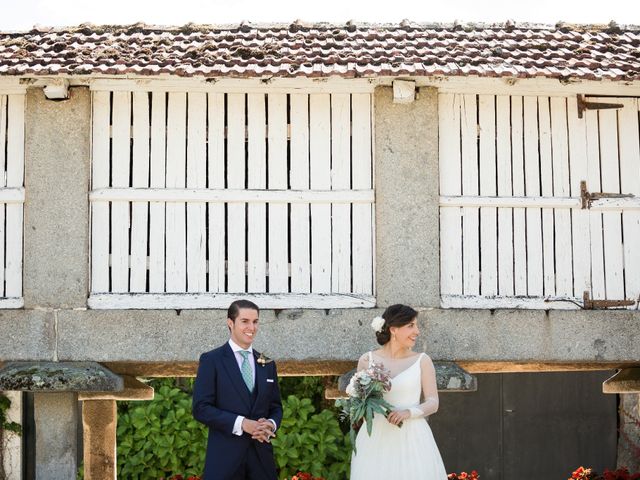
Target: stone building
{"points": [[488, 175]]}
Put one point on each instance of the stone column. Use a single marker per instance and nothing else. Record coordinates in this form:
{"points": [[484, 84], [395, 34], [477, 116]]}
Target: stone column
{"points": [[407, 237], [11, 456], [629, 438], [99, 421], [56, 446]]}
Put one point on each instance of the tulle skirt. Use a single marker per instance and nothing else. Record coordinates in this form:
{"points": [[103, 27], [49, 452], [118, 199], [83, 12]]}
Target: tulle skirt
{"points": [[393, 452]]}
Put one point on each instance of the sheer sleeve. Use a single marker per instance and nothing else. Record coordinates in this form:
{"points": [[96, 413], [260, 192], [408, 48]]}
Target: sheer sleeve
{"points": [[363, 362], [429, 390]]}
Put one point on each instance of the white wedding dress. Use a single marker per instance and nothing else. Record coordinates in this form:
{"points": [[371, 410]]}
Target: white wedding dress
{"points": [[409, 451]]}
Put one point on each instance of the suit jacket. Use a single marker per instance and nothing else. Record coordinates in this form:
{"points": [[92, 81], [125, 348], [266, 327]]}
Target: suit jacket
{"points": [[219, 396]]}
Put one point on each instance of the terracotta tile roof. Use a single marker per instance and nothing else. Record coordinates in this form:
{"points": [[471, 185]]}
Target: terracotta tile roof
{"points": [[322, 50]]}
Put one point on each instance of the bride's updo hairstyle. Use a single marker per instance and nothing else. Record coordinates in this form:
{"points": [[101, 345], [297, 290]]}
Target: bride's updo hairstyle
{"points": [[395, 316]]}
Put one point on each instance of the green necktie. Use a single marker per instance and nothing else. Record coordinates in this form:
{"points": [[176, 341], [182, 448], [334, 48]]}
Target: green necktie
{"points": [[247, 375]]}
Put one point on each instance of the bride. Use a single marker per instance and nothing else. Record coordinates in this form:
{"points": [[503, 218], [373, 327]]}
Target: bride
{"points": [[401, 445]]}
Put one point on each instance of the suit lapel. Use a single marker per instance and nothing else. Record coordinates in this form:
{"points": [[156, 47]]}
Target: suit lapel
{"points": [[231, 366], [261, 376]]}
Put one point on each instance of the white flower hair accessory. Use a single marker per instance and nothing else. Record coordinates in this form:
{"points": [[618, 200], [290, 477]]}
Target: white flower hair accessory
{"points": [[377, 324]]}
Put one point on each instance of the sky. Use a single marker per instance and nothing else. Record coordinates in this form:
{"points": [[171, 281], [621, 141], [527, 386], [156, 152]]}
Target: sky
{"points": [[24, 14]]}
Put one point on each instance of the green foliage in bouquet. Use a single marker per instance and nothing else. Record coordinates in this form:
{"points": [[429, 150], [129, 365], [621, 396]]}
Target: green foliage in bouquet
{"points": [[160, 438], [311, 442]]}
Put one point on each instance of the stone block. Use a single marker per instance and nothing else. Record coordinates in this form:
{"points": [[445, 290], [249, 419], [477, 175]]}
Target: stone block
{"points": [[56, 210], [58, 377], [626, 380], [99, 421], [133, 389], [27, 335]]}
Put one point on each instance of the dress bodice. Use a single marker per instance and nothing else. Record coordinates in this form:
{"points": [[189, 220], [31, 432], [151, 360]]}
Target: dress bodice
{"points": [[406, 386]]}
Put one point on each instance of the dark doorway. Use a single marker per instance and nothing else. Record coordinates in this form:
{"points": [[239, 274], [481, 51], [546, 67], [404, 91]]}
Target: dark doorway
{"points": [[529, 426]]}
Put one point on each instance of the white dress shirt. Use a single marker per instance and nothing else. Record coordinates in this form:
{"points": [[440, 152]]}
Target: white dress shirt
{"points": [[237, 426]]}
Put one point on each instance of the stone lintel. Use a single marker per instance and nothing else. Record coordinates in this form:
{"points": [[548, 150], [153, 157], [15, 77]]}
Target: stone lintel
{"points": [[449, 377], [59, 377], [626, 380], [134, 389], [534, 367]]}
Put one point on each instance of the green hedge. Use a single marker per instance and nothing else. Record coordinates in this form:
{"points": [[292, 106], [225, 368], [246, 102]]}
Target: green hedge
{"points": [[160, 438]]}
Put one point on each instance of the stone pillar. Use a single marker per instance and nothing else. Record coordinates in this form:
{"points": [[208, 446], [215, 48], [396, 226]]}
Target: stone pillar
{"points": [[99, 420], [407, 198], [56, 422], [629, 437], [56, 212], [11, 443]]}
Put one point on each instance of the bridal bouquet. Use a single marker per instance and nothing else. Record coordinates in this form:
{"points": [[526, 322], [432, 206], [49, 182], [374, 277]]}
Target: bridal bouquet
{"points": [[365, 391]]}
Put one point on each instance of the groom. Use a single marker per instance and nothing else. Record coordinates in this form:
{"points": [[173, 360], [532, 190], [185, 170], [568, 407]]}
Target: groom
{"points": [[236, 395]]}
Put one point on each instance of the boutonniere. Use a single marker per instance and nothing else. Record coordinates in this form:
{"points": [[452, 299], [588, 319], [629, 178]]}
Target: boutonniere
{"points": [[263, 359]]}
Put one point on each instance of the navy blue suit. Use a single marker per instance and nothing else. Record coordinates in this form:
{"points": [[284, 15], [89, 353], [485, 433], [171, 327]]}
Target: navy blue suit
{"points": [[219, 396]]}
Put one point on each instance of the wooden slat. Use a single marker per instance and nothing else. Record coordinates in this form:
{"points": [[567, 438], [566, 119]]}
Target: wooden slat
{"points": [[300, 220], [222, 301], [3, 166], [630, 183], [562, 218], [579, 217], [120, 168], [216, 146], [320, 175], [611, 221], [519, 222], [546, 187], [450, 168], [595, 218], [236, 219], [175, 212], [100, 179], [158, 180], [470, 245], [488, 215], [518, 302], [504, 188], [257, 172], [278, 221], [196, 178], [341, 179], [532, 187], [139, 216], [362, 231]]}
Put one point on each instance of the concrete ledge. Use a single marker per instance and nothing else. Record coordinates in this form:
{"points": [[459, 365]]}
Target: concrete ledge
{"points": [[133, 389], [626, 380], [27, 335], [58, 377]]}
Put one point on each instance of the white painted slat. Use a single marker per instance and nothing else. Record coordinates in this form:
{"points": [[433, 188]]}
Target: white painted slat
{"points": [[15, 178], [16, 302], [278, 221], [196, 178], [120, 169], [236, 219], [175, 212], [562, 218], [505, 188], [3, 140], [222, 301], [100, 179], [630, 183], [139, 216], [217, 269], [320, 175], [488, 215], [300, 213], [595, 218], [611, 221], [532, 187], [546, 187], [516, 202], [579, 218], [2, 249], [362, 231], [470, 245], [257, 173], [341, 179], [519, 222], [450, 168], [158, 180], [511, 302]]}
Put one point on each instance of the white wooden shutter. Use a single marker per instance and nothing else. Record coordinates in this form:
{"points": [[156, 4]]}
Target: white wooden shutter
{"points": [[11, 198], [200, 197], [513, 228]]}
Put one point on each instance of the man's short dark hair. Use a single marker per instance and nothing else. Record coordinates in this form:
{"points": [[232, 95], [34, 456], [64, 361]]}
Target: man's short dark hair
{"points": [[234, 308]]}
